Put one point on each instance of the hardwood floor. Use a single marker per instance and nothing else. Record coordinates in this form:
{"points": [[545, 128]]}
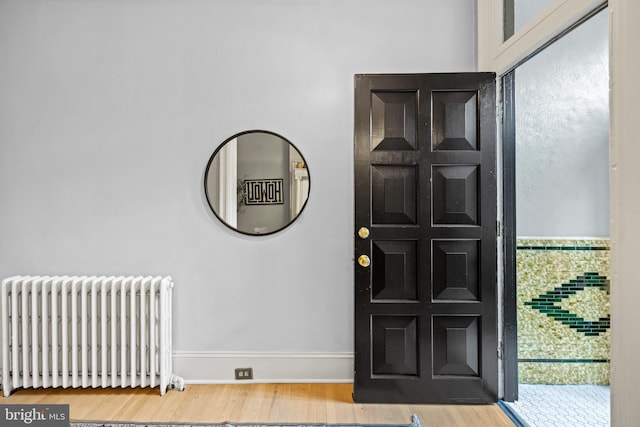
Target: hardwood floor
{"points": [[266, 403]]}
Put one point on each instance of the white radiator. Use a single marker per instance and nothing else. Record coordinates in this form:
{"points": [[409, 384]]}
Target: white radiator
{"points": [[81, 331]]}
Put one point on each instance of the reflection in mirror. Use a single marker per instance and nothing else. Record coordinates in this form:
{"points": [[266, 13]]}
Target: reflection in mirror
{"points": [[257, 182]]}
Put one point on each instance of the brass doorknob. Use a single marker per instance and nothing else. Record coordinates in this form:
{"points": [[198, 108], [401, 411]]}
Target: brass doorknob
{"points": [[363, 232], [364, 261]]}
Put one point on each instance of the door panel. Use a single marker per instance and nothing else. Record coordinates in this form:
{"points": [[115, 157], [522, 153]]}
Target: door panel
{"points": [[454, 120], [393, 120], [394, 194], [455, 194], [394, 270], [394, 350], [425, 188], [459, 355], [455, 270]]}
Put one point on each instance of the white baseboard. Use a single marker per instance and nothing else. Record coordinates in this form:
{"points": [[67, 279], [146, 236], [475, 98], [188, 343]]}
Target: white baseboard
{"points": [[207, 367]]}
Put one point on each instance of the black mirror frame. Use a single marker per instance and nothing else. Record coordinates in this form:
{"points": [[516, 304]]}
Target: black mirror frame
{"points": [[206, 174]]}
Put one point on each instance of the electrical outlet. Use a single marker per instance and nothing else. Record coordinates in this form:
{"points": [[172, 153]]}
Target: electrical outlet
{"points": [[244, 373]]}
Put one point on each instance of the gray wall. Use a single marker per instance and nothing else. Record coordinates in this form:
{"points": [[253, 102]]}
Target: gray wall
{"points": [[562, 136], [110, 110]]}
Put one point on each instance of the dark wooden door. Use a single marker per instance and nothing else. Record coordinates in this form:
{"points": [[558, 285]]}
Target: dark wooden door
{"points": [[425, 242]]}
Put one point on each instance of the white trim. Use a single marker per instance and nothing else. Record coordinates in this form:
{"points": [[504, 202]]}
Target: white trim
{"points": [[489, 18], [218, 367], [625, 210], [228, 193], [498, 56]]}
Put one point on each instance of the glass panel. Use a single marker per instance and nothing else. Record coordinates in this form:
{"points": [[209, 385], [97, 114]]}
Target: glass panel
{"points": [[518, 13], [562, 136]]}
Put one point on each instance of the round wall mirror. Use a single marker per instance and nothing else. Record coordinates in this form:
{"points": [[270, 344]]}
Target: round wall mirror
{"points": [[257, 182]]}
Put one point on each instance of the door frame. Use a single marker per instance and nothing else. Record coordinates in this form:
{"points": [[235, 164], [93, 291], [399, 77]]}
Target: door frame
{"points": [[509, 296]]}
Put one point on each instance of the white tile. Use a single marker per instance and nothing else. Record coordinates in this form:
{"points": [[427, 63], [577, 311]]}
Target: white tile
{"points": [[563, 405]]}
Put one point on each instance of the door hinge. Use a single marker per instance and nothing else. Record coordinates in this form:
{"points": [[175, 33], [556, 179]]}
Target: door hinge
{"points": [[499, 228], [500, 350]]}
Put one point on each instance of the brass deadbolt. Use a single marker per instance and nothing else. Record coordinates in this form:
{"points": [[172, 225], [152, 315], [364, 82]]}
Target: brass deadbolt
{"points": [[364, 261], [363, 232]]}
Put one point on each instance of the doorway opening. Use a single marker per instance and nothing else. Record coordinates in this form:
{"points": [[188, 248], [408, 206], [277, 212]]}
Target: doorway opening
{"points": [[557, 317]]}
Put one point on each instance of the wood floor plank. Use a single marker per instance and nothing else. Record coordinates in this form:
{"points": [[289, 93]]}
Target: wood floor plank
{"points": [[254, 403]]}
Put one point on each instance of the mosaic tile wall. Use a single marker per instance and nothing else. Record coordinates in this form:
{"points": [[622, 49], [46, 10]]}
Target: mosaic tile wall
{"points": [[563, 311]]}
